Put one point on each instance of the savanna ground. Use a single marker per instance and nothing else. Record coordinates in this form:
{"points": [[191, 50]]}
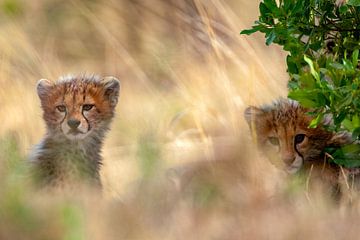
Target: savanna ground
{"points": [[186, 75]]}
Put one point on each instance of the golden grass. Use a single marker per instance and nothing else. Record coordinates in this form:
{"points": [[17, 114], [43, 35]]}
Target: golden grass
{"points": [[186, 77]]}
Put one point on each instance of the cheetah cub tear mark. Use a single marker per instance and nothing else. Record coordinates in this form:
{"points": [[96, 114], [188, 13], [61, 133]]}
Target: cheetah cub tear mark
{"points": [[282, 133], [77, 111]]}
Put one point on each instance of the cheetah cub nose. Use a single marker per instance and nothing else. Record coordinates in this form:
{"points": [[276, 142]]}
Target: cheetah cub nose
{"points": [[73, 123]]}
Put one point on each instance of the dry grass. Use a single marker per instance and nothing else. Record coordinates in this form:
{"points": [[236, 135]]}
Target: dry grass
{"points": [[186, 76]]}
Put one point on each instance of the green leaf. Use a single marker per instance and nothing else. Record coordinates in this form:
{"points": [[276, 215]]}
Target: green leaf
{"points": [[347, 64], [343, 9], [270, 38], [315, 46], [312, 69], [339, 118], [254, 28], [298, 8], [315, 122], [248, 31], [344, 102], [292, 68], [266, 14], [348, 156], [356, 133], [355, 57], [309, 99], [264, 10], [356, 121], [307, 81], [348, 124], [354, 3], [271, 5], [337, 66], [350, 42]]}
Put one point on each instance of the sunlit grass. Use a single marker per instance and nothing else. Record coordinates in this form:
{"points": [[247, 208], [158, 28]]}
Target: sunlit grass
{"points": [[186, 76]]}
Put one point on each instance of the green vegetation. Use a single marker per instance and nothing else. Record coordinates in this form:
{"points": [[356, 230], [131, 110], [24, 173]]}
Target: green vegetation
{"points": [[185, 80], [12, 7], [149, 155], [23, 215], [322, 38]]}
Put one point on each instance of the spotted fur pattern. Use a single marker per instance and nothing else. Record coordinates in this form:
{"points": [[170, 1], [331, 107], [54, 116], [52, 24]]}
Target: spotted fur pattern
{"points": [[282, 132], [77, 111]]}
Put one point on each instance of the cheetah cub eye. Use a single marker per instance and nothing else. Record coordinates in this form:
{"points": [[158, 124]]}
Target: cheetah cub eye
{"points": [[283, 134], [78, 107], [299, 138], [87, 107], [274, 141], [61, 108]]}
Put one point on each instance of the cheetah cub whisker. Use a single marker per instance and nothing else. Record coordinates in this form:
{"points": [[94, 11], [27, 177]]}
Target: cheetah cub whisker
{"points": [[283, 134], [77, 111]]}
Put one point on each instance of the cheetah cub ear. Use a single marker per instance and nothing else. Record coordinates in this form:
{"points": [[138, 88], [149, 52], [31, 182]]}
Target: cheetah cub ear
{"points": [[340, 139], [252, 115], [43, 87], [112, 90]]}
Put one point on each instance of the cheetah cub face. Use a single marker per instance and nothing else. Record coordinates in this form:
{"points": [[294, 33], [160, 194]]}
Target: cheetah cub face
{"points": [[282, 132], [77, 107]]}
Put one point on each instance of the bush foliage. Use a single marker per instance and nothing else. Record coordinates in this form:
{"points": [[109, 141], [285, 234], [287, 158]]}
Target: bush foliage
{"points": [[322, 38]]}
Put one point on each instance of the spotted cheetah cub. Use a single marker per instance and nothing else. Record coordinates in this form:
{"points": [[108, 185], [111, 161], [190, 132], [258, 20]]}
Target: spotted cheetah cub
{"points": [[77, 111], [282, 132]]}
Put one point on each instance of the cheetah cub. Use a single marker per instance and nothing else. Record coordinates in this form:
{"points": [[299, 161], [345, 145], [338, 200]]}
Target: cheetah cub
{"points": [[281, 131], [77, 111]]}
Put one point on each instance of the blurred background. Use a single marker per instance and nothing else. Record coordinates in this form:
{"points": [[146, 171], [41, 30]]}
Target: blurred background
{"points": [[186, 72], [186, 77]]}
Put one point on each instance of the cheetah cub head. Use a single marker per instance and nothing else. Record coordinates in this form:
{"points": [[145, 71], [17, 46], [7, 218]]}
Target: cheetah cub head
{"points": [[282, 132], [78, 107]]}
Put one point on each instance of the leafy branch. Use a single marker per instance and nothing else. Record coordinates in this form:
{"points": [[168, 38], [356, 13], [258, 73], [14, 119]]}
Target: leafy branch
{"points": [[322, 38]]}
